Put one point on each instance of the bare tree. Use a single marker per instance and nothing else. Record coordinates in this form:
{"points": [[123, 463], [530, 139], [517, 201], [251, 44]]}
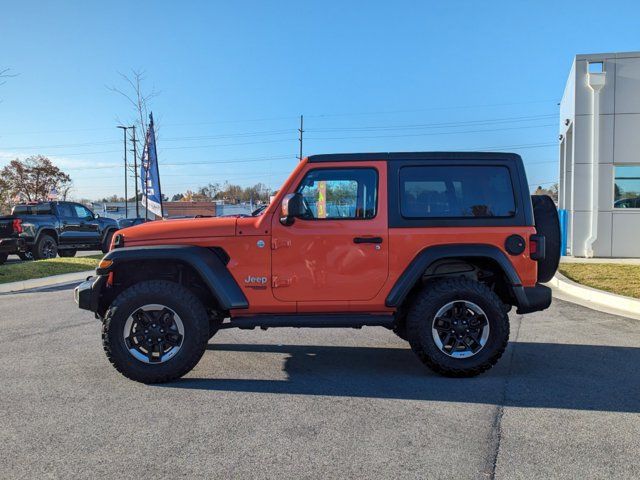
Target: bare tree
{"points": [[139, 99], [6, 73]]}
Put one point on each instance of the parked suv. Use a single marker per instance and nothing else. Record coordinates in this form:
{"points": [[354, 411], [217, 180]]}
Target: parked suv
{"points": [[437, 247], [45, 229]]}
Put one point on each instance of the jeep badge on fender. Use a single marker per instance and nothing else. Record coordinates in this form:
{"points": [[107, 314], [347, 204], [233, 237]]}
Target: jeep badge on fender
{"points": [[256, 280], [437, 247]]}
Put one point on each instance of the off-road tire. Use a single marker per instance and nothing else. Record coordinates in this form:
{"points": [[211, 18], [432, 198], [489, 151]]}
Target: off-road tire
{"points": [[401, 330], [67, 253], [176, 297], [545, 214], [422, 312], [25, 256], [3, 257], [45, 247], [106, 241]]}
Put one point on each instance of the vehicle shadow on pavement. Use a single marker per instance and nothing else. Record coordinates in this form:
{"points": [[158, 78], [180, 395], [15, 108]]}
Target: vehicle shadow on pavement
{"points": [[540, 375]]}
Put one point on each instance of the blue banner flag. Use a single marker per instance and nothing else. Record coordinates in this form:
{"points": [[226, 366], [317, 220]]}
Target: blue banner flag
{"points": [[149, 173]]}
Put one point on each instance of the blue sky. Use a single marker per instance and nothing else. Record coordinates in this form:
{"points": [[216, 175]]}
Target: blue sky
{"points": [[234, 77]]}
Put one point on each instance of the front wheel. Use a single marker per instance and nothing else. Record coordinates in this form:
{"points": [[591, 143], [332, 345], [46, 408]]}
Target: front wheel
{"points": [[457, 327], [155, 331], [3, 257]]}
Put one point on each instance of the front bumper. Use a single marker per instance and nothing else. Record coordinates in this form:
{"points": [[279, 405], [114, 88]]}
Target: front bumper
{"points": [[532, 299], [87, 294], [12, 245]]}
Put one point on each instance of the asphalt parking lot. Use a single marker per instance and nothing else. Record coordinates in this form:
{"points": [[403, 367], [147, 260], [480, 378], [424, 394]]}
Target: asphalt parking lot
{"points": [[564, 402]]}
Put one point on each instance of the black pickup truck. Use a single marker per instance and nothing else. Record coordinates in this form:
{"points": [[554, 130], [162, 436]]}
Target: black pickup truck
{"points": [[46, 229]]}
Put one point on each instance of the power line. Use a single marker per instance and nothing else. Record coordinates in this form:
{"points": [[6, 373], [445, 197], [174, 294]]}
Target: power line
{"points": [[432, 133], [542, 183], [173, 139], [450, 107], [287, 131], [294, 117], [190, 147], [289, 156], [258, 176], [243, 175], [437, 125], [173, 164]]}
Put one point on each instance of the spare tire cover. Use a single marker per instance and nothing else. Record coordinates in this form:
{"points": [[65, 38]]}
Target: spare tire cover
{"points": [[545, 214]]}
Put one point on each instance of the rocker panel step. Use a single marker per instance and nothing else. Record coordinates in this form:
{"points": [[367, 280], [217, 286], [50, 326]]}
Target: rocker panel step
{"points": [[310, 321]]}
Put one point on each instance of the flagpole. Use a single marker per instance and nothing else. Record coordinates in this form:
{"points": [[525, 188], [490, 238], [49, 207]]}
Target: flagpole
{"points": [[155, 146], [146, 178]]}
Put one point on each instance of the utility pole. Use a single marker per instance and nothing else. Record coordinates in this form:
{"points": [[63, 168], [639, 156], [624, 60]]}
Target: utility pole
{"points": [[301, 131], [135, 167], [126, 202]]}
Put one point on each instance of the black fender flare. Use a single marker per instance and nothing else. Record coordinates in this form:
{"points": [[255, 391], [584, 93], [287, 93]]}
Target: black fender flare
{"points": [[204, 261], [47, 230], [105, 232], [426, 257]]}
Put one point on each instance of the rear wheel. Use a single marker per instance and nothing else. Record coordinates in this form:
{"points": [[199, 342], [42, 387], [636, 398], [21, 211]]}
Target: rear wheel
{"points": [[3, 257], [155, 331], [457, 327], [67, 253], [25, 255], [45, 247]]}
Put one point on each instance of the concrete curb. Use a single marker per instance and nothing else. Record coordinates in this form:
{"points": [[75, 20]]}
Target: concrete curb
{"points": [[44, 281], [595, 299]]}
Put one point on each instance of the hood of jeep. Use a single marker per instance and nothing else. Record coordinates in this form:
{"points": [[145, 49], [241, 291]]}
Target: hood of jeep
{"points": [[178, 231]]}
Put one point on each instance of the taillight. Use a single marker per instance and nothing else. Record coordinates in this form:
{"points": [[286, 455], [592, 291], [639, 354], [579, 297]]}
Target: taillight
{"points": [[17, 225], [537, 247]]}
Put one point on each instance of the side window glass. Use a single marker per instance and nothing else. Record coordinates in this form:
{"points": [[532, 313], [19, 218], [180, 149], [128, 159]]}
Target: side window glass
{"points": [[82, 212], [65, 210], [341, 193], [456, 191]]}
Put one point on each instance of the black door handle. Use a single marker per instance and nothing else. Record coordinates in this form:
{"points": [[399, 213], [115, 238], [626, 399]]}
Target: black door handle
{"points": [[367, 240]]}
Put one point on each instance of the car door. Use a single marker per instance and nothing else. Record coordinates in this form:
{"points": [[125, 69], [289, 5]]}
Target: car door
{"points": [[339, 250], [89, 227], [69, 229]]}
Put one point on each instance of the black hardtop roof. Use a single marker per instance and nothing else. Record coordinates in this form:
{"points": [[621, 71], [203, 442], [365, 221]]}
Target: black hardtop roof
{"points": [[393, 156]]}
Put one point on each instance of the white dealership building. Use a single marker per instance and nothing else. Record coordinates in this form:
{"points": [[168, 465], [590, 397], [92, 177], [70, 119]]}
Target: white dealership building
{"points": [[600, 156]]}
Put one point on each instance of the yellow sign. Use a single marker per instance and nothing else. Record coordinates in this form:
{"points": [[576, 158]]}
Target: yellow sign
{"points": [[322, 199]]}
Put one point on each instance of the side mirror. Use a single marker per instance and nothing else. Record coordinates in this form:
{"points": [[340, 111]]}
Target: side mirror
{"points": [[292, 207], [96, 215]]}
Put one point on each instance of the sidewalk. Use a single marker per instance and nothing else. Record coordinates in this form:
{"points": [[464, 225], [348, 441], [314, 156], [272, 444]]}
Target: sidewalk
{"points": [[592, 298], [45, 281], [623, 261]]}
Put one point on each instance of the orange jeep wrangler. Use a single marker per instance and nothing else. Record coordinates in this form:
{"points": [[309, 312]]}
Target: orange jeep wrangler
{"points": [[436, 247]]}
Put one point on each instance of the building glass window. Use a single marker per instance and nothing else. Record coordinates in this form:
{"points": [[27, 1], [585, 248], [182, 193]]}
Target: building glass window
{"points": [[627, 187]]}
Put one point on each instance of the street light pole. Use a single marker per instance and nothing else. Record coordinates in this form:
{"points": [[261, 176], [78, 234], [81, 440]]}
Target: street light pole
{"points": [[135, 167], [126, 203]]}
